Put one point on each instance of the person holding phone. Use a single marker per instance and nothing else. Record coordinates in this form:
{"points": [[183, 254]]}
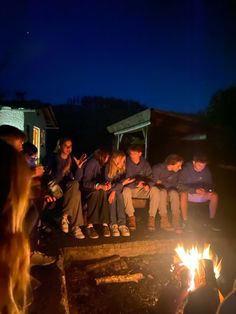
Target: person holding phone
{"points": [[196, 185]]}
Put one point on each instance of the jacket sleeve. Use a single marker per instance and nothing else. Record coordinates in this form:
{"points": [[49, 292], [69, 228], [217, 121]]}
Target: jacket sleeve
{"points": [[53, 169], [89, 178], [183, 182], [148, 174], [156, 171]]}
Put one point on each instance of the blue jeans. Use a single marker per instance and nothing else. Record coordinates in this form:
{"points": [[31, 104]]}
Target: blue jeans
{"points": [[117, 210]]}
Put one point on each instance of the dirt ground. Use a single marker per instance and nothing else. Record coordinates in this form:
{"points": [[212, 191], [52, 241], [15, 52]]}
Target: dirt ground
{"points": [[157, 293], [86, 297]]}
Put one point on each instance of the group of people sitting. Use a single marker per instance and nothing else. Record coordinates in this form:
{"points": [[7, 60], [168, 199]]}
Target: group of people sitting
{"points": [[98, 190], [106, 185]]}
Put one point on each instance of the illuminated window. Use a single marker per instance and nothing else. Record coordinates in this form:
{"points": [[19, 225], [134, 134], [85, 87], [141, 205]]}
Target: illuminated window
{"points": [[36, 139]]}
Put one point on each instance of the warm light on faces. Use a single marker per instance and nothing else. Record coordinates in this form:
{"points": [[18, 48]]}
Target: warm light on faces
{"points": [[176, 167], [119, 162], [17, 144], [66, 148], [199, 166], [135, 156]]}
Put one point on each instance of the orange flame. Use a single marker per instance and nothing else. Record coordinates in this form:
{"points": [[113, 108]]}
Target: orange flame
{"points": [[191, 258]]}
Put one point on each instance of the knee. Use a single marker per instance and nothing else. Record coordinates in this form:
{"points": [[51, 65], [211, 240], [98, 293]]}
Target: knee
{"points": [[173, 195], [163, 193], [127, 192], [154, 191], [72, 185], [184, 196], [214, 196]]}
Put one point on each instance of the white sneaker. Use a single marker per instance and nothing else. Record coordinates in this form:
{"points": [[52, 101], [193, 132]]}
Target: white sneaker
{"points": [[115, 231], [65, 224], [40, 259], [78, 233], [124, 230]]}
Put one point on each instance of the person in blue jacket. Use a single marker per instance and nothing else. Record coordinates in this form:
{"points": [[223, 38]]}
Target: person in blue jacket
{"points": [[196, 185], [138, 168]]}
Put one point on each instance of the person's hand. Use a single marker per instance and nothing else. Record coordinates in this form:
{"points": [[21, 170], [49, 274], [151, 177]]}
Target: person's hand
{"points": [[159, 182], [111, 197], [107, 186], [146, 187], [80, 162], [38, 171], [104, 187], [128, 181], [140, 184], [201, 191], [49, 198]]}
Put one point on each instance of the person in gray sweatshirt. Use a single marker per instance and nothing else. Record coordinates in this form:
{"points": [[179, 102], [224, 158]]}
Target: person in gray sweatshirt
{"points": [[165, 176], [196, 185], [142, 187]]}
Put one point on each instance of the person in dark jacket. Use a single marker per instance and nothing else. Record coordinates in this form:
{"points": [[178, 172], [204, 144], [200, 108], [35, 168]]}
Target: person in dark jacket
{"points": [[228, 306], [138, 168], [196, 185], [115, 174], [95, 190], [66, 170], [165, 176]]}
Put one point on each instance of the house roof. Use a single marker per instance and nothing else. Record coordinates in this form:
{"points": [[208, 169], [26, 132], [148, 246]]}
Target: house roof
{"points": [[29, 106], [178, 122]]}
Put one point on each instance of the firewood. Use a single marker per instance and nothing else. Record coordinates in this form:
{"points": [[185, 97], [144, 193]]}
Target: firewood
{"points": [[119, 278], [102, 263]]}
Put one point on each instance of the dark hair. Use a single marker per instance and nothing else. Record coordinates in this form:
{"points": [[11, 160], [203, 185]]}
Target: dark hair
{"points": [[172, 159], [200, 158], [29, 149], [100, 155], [64, 139], [9, 131], [135, 148]]}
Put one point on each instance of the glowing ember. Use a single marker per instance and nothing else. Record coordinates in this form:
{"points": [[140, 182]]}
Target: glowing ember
{"points": [[192, 260]]}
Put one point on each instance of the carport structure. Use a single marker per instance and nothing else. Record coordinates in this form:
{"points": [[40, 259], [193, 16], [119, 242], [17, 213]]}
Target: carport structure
{"points": [[160, 133]]}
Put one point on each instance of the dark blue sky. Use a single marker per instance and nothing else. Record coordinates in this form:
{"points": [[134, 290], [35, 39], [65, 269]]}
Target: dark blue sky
{"points": [[171, 55]]}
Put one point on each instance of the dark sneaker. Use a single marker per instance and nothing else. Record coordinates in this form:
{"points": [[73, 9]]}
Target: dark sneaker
{"points": [[213, 226], [92, 233], [106, 231], [78, 233], [40, 259]]}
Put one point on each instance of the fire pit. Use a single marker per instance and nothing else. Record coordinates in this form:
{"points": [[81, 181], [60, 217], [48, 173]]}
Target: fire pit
{"points": [[130, 284]]}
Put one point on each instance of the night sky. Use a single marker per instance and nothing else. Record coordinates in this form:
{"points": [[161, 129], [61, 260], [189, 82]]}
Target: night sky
{"points": [[172, 55]]}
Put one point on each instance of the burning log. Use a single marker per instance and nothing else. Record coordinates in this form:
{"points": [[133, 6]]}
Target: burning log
{"points": [[102, 263], [119, 278]]}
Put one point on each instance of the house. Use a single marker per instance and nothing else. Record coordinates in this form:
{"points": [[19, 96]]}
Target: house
{"points": [[35, 121], [161, 133]]}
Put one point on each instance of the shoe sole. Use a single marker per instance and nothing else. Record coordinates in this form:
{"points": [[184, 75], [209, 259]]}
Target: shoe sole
{"points": [[116, 235], [94, 237]]}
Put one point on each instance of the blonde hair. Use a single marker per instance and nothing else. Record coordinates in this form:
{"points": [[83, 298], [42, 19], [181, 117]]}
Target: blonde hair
{"points": [[15, 183], [113, 168]]}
